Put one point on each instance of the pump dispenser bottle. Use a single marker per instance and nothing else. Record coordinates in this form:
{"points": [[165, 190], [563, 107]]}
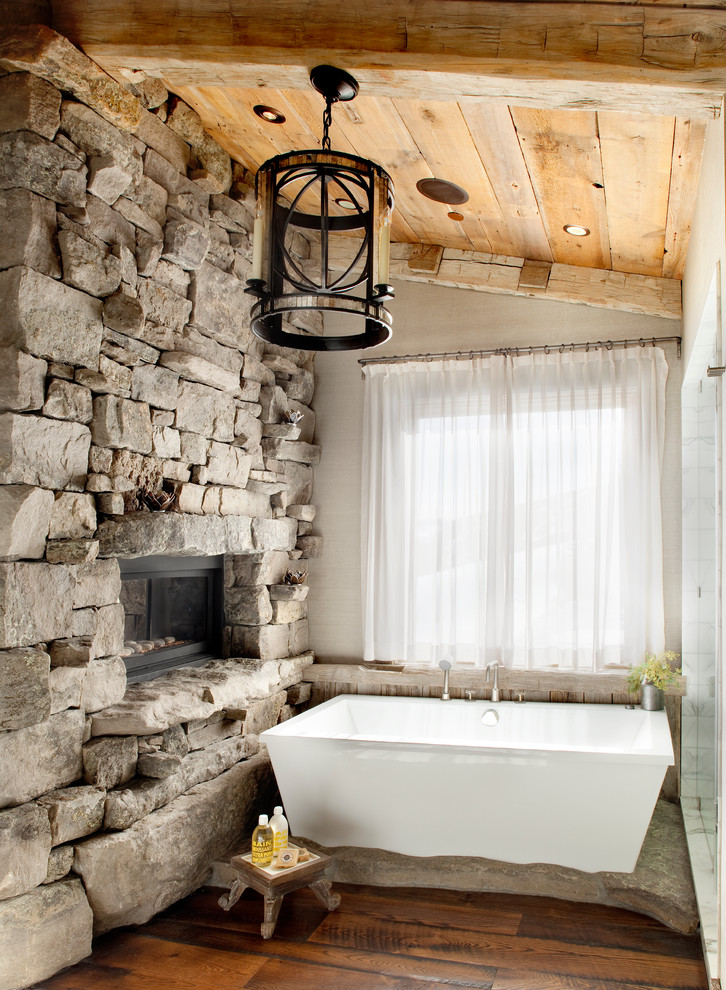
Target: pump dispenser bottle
{"points": [[262, 840], [278, 824]]}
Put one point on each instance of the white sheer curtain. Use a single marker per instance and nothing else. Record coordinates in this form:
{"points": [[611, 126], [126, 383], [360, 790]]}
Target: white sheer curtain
{"points": [[511, 509]]}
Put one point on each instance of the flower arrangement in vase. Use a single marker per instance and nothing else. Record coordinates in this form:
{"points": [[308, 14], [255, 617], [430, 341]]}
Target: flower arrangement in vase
{"points": [[652, 677]]}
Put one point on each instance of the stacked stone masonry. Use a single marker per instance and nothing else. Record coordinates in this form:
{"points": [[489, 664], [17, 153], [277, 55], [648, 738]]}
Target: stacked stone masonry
{"points": [[129, 374]]}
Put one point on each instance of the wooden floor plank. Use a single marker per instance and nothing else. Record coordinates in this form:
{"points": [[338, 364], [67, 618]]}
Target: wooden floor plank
{"points": [[392, 939], [282, 974], [344, 928], [397, 964]]}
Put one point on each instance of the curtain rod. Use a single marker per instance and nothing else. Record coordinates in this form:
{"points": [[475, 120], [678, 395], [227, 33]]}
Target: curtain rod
{"points": [[545, 348]]}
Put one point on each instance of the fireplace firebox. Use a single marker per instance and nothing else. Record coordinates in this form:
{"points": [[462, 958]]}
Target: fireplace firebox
{"points": [[173, 612]]}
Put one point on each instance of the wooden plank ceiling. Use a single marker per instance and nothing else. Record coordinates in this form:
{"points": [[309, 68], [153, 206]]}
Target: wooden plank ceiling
{"points": [[546, 113]]}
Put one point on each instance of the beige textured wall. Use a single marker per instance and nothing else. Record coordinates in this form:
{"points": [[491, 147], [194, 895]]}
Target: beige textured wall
{"points": [[435, 318]]}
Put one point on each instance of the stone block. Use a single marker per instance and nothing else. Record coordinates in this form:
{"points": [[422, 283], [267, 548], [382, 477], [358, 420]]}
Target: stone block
{"points": [[232, 210], [175, 183], [60, 862], [65, 688], [299, 479], [121, 423], [29, 226], [205, 411], [298, 694], [106, 223], [151, 197], [35, 603], [71, 551], [45, 452], [86, 267], [225, 466], [307, 423], [148, 252], [189, 498], [311, 546], [264, 642], [99, 138], [104, 684], [241, 502], [165, 441], [220, 306], [107, 178], [109, 761], [299, 636], [192, 341], [68, 401], [156, 386], [194, 448], [289, 592], [207, 733], [73, 812], [248, 606], [98, 583], [159, 765], [288, 611], [29, 161], [44, 931], [198, 369], [127, 350], [185, 243], [25, 517], [291, 450], [256, 371], [73, 516], [257, 568], [162, 305], [48, 318], [140, 533], [29, 103], [25, 697], [104, 626], [110, 503], [247, 428], [25, 843], [274, 404], [274, 534], [132, 212], [263, 714], [40, 758], [114, 381], [155, 134], [123, 313], [22, 380]]}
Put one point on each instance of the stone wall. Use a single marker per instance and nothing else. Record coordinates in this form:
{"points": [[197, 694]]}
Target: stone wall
{"points": [[129, 378]]}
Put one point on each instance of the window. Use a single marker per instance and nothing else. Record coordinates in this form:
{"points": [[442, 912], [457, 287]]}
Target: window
{"points": [[511, 509]]}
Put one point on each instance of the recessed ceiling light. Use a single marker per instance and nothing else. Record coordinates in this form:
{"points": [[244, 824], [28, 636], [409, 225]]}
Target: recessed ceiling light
{"points": [[346, 204], [453, 215], [269, 114], [576, 230], [442, 191]]}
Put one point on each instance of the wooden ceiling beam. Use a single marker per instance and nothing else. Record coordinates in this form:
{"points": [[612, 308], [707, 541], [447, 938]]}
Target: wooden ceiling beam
{"points": [[597, 287], [574, 55]]}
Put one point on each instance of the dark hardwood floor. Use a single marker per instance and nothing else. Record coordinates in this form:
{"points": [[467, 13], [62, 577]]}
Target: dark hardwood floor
{"points": [[392, 939]]}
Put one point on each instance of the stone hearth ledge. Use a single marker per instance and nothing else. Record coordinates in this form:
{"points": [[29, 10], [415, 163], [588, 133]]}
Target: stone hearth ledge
{"points": [[660, 886], [193, 693]]}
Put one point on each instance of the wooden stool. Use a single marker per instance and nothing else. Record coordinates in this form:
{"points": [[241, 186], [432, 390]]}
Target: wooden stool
{"points": [[274, 883]]}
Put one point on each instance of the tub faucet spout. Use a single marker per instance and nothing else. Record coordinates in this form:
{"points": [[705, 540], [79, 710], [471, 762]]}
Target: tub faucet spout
{"points": [[446, 667], [494, 666]]}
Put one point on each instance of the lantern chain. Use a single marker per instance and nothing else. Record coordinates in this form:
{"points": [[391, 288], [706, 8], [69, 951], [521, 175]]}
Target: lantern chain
{"points": [[327, 121]]}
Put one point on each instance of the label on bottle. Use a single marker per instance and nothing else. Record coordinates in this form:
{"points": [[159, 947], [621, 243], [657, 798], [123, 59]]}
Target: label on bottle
{"points": [[280, 840], [261, 850]]}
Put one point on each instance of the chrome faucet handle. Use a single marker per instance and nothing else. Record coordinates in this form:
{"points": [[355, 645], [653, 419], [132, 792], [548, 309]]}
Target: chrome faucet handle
{"points": [[469, 695]]}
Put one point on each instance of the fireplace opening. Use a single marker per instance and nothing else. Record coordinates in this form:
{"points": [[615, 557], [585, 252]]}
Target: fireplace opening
{"points": [[173, 612]]}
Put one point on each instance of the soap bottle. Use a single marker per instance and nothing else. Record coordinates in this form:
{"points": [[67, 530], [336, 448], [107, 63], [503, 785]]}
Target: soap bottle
{"points": [[262, 838], [278, 824]]}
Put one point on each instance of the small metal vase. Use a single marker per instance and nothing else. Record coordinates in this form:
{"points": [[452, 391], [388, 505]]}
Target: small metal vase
{"points": [[651, 697]]}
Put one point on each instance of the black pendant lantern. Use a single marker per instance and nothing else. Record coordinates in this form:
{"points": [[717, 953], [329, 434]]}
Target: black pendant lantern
{"points": [[350, 195]]}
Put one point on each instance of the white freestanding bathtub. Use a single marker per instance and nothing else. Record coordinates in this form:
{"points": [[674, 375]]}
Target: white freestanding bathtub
{"points": [[572, 784]]}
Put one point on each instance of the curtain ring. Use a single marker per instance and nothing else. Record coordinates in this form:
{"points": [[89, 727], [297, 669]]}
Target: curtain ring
{"points": [[653, 341], [562, 348], [546, 348], [609, 344], [587, 347], [641, 342]]}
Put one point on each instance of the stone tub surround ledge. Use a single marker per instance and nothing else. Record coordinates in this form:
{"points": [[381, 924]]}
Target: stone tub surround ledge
{"points": [[128, 371]]}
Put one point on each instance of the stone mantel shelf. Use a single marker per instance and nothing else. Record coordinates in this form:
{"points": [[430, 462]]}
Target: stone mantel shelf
{"points": [[612, 682]]}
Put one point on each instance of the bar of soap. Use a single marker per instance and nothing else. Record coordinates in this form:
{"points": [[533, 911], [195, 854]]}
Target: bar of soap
{"points": [[287, 858], [303, 856]]}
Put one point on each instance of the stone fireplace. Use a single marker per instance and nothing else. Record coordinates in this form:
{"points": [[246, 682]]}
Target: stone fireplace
{"points": [[139, 420]]}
